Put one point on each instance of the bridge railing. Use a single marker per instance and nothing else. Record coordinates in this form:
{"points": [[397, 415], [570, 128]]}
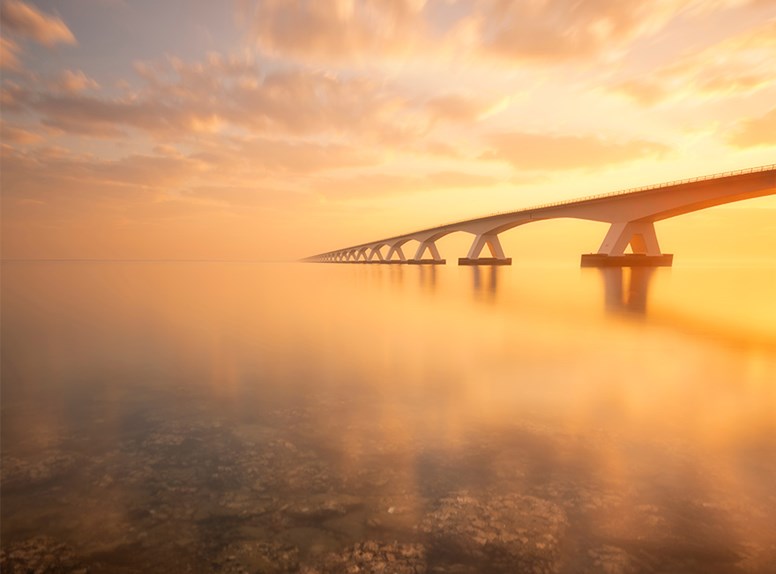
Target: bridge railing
{"points": [[617, 193]]}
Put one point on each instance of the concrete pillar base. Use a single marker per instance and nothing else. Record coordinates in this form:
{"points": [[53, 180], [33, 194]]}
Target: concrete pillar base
{"points": [[485, 261], [426, 261], [627, 260]]}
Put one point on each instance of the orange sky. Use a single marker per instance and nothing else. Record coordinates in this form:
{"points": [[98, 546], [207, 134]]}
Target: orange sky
{"points": [[280, 128]]}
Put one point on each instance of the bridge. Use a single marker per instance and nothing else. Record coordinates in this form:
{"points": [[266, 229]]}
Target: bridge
{"points": [[631, 215]]}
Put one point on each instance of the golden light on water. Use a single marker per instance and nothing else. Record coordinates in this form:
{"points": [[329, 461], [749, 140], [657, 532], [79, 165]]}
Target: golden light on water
{"points": [[619, 396]]}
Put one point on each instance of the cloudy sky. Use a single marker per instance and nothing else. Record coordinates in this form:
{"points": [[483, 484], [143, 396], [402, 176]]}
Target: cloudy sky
{"points": [[280, 128]]}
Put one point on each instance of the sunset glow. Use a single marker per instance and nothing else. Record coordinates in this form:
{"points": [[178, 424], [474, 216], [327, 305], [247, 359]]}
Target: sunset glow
{"points": [[276, 129]]}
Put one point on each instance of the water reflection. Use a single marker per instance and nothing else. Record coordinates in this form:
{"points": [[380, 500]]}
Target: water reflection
{"points": [[396, 273], [428, 277], [323, 419], [485, 281], [626, 290]]}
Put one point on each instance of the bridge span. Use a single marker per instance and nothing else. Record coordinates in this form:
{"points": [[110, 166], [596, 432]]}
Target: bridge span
{"points": [[631, 215]]}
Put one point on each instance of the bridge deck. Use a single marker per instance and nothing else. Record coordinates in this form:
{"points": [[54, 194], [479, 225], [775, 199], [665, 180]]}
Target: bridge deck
{"points": [[589, 207]]}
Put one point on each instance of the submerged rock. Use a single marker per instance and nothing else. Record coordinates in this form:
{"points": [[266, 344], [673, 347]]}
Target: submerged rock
{"points": [[40, 555], [257, 556], [373, 558], [612, 560], [323, 506], [19, 473], [507, 533]]}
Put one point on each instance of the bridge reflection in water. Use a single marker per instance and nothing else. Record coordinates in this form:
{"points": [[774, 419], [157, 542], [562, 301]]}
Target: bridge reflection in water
{"points": [[485, 282], [626, 290]]}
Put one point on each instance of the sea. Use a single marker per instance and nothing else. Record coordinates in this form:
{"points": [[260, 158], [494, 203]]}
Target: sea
{"points": [[222, 416]]}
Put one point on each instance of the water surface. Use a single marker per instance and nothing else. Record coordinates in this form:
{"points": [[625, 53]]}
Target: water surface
{"points": [[317, 418]]}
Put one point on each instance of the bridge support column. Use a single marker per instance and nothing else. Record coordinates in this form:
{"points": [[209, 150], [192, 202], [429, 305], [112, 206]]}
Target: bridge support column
{"points": [[432, 248], [398, 251], [361, 255], [494, 245], [643, 241], [375, 251]]}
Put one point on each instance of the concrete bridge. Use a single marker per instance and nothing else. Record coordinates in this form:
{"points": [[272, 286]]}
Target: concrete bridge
{"points": [[631, 215]]}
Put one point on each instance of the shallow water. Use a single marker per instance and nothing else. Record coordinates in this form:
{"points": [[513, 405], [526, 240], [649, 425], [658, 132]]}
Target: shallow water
{"points": [[313, 418]]}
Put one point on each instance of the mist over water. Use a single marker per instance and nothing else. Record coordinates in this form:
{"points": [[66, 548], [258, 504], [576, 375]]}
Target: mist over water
{"points": [[308, 418]]}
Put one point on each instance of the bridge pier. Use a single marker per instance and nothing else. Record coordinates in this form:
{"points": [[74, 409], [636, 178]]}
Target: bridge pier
{"points": [[496, 250], [396, 248], [432, 248], [375, 251], [641, 236], [626, 260]]}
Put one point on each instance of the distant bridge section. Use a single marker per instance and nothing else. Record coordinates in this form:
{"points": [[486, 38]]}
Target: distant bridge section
{"points": [[631, 215]]}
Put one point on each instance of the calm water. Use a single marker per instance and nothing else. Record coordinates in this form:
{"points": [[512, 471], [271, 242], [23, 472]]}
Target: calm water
{"points": [[237, 417]]}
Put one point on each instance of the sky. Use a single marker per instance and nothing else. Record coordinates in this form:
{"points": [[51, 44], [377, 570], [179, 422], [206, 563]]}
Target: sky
{"points": [[272, 129]]}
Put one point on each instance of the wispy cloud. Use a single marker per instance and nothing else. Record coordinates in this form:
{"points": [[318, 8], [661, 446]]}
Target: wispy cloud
{"points": [[738, 65], [754, 132], [563, 29], [74, 81], [362, 29], [12, 135], [178, 101], [9, 54], [534, 151], [26, 21], [359, 29], [371, 185]]}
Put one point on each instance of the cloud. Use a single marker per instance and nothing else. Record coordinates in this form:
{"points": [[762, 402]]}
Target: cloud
{"points": [[13, 97], [302, 157], [546, 152], [441, 149], [458, 108], [102, 117], [335, 28], [385, 184], [367, 29], [16, 135], [54, 175], [246, 194], [252, 159], [564, 29], [74, 81], [755, 132], [44, 172], [452, 179], [738, 65], [643, 92], [180, 100], [26, 21], [9, 54]]}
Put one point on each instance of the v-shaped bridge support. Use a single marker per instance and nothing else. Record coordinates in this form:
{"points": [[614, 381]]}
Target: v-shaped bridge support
{"points": [[640, 235]]}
